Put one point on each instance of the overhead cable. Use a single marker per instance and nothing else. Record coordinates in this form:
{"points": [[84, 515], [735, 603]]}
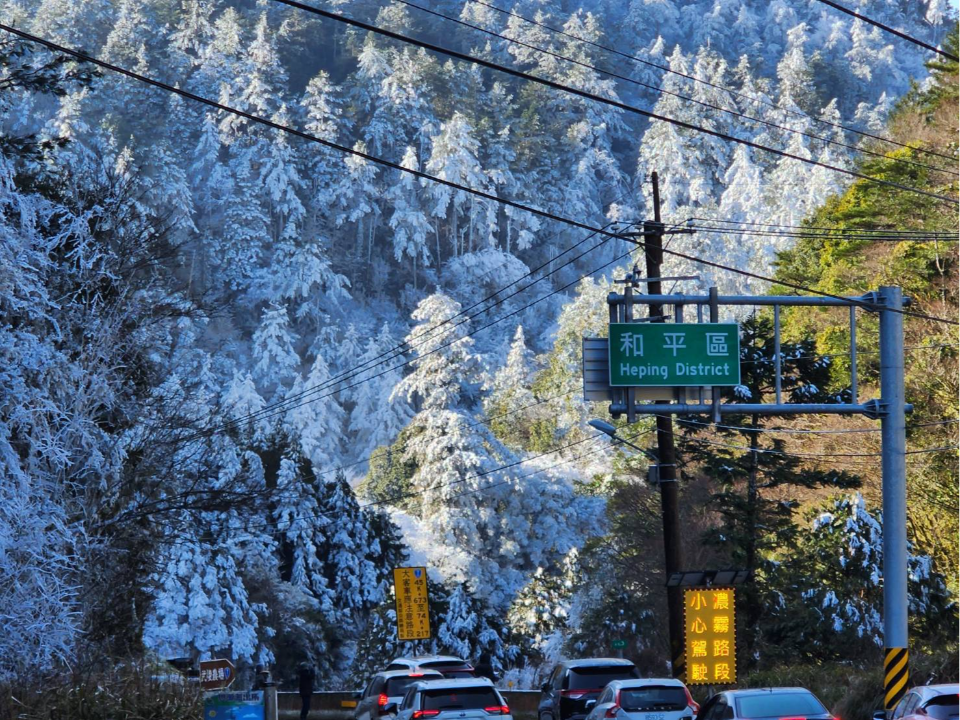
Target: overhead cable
{"points": [[406, 346], [603, 100], [820, 227], [887, 28], [761, 101], [687, 98], [306, 400], [372, 158], [837, 235]]}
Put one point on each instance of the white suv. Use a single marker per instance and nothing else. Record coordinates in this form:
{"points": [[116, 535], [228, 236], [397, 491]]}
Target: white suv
{"points": [[447, 665], [459, 699], [645, 699]]}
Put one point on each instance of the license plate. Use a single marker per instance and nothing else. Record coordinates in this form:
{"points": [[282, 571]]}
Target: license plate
{"points": [[654, 716]]}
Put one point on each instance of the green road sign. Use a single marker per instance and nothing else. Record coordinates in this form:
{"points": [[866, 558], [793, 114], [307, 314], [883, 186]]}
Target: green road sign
{"points": [[618, 644], [674, 354]]}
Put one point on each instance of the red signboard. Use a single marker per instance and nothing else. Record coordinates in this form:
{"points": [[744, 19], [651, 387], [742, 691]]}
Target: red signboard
{"points": [[217, 674]]}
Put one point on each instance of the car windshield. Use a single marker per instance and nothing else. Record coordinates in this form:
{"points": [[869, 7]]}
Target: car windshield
{"points": [[943, 707], [595, 678], [779, 705], [653, 697], [398, 685], [468, 698]]}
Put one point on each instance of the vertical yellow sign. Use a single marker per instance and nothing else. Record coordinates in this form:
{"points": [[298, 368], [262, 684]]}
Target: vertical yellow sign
{"points": [[710, 635], [413, 609]]}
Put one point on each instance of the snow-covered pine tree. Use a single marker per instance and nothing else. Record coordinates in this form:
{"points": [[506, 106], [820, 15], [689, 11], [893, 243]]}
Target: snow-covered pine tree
{"points": [[276, 363], [826, 596], [317, 418], [409, 221], [379, 414]]}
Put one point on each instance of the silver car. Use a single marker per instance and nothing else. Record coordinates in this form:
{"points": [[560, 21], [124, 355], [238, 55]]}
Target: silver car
{"points": [[646, 699], [459, 699], [384, 692], [929, 702], [764, 704]]}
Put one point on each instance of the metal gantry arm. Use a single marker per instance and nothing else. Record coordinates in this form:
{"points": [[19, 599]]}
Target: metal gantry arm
{"points": [[890, 409], [621, 309]]}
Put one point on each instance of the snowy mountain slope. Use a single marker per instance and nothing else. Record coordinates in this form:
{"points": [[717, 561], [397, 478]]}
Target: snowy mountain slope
{"points": [[309, 264]]}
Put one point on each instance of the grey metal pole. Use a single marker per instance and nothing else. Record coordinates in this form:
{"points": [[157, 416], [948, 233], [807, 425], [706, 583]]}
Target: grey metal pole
{"points": [[894, 470]]}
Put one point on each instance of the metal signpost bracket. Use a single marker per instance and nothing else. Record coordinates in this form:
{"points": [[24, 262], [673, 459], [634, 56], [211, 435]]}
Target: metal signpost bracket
{"points": [[691, 399]]}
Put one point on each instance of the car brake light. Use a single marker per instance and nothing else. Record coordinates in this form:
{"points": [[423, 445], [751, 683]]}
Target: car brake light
{"points": [[497, 710], [415, 675], [793, 718], [691, 703], [424, 713], [382, 700], [615, 708]]}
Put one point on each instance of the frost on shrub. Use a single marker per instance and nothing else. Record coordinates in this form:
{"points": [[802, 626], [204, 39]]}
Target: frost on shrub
{"points": [[835, 578]]}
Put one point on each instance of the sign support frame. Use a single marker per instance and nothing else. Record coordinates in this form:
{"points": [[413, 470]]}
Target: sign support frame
{"points": [[888, 303]]}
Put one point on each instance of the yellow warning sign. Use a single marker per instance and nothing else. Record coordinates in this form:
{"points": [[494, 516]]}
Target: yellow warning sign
{"points": [[710, 635], [413, 608]]}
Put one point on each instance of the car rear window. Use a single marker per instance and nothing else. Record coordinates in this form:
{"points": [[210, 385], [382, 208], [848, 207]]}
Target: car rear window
{"points": [[441, 663], [653, 697], [469, 698], [455, 674], [779, 705], [943, 707], [595, 678], [398, 685]]}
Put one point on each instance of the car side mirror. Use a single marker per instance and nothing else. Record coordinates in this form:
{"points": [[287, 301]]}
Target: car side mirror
{"points": [[879, 715], [358, 695], [590, 705], [545, 687], [389, 708]]}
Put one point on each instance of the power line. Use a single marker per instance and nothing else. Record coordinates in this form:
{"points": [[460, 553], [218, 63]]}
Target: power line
{"points": [[476, 476], [416, 173], [600, 99], [399, 350], [308, 400], [788, 431], [702, 103], [852, 236], [820, 227], [889, 29], [744, 96], [293, 131], [283, 406]]}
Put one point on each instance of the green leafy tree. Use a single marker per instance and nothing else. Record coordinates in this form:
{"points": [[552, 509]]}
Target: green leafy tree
{"points": [[756, 479]]}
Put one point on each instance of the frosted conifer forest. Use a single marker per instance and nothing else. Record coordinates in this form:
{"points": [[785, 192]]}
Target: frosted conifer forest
{"points": [[244, 375]]}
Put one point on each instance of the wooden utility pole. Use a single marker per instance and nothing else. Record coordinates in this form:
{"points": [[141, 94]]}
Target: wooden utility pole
{"points": [[666, 452]]}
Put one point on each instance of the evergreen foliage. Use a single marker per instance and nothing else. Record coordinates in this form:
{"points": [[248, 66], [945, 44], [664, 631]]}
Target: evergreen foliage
{"points": [[167, 275]]}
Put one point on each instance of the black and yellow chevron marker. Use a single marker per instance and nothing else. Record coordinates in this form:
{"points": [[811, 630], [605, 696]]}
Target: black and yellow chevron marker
{"points": [[896, 675], [680, 666]]}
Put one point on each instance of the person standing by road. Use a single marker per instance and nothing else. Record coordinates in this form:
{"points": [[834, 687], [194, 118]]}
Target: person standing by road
{"points": [[485, 667], [307, 676]]}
